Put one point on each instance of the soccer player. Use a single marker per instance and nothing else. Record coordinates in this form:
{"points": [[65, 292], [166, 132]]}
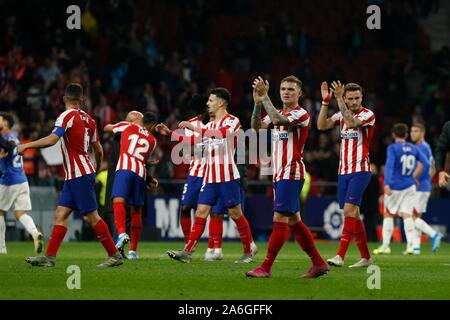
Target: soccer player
{"points": [[356, 125], [78, 132], [442, 147], [194, 181], [14, 189], [221, 179], [290, 130], [423, 192], [136, 145], [401, 172]]}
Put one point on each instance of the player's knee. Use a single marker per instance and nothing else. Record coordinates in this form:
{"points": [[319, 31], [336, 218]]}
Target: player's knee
{"points": [[235, 213], [92, 218], [186, 211]]}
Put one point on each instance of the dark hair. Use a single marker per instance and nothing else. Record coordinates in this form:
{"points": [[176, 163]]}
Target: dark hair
{"points": [[420, 126], [149, 118], [222, 93], [352, 87], [400, 130], [6, 116], [197, 104], [74, 92], [293, 79]]}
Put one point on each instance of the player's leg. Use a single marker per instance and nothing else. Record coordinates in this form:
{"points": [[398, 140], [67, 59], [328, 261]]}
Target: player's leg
{"points": [[122, 187], [422, 226], [7, 196], [21, 205], [417, 234], [135, 231], [104, 236], [388, 230], [58, 233], [214, 250], [231, 197], [189, 201], [349, 224], [305, 239], [2, 232], [406, 212], [137, 200], [276, 241], [209, 194]]}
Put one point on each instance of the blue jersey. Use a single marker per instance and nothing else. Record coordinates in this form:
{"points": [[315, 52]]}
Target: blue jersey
{"points": [[425, 176], [12, 165], [401, 162]]}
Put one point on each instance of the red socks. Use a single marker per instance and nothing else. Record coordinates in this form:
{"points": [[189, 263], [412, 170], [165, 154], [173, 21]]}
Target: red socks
{"points": [[276, 242], [103, 235], [186, 227], [306, 240], [56, 238], [347, 234], [244, 232], [361, 239], [120, 216], [196, 233], [136, 228], [215, 232]]}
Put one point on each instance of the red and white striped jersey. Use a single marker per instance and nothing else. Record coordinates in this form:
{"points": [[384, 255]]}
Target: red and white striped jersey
{"points": [[136, 146], [355, 142], [288, 143], [220, 164], [198, 163], [79, 131]]}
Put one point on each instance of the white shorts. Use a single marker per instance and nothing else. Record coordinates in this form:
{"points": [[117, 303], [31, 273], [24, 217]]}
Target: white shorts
{"points": [[400, 201], [421, 201], [15, 197]]}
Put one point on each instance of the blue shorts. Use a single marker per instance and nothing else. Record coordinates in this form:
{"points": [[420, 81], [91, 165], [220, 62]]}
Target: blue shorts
{"points": [[79, 194], [287, 196], [130, 186], [191, 191], [219, 208], [229, 192], [352, 186]]}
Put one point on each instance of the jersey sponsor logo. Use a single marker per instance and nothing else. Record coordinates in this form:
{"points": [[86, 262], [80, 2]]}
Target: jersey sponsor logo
{"points": [[349, 134], [280, 136]]}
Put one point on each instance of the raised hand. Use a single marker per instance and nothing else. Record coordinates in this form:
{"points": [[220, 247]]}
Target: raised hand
{"points": [[444, 177], [326, 93], [338, 89], [162, 129], [3, 154], [260, 89]]}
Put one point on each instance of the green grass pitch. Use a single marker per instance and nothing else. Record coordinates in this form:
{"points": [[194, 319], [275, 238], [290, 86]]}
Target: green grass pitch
{"points": [[155, 276]]}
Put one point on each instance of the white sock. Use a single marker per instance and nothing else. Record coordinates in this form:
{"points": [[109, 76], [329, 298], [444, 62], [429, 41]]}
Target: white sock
{"points": [[218, 250], [2, 231], [408, 225], [388, 229], [28, 223], [425, 227], [210, 250], [417, 234]]}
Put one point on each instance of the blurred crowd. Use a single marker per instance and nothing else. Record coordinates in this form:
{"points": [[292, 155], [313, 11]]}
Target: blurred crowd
{"points": [[155, 55]]}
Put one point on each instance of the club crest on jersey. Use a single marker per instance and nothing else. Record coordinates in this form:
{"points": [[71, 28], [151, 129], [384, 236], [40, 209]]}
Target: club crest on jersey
{"points": [[349, 134], [144, 132], [280, 136]]}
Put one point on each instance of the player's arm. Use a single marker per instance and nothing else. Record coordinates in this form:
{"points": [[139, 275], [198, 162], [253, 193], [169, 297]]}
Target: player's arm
{"points": [[108, 128], [175, 136], [442, 146], [388, 170], [323, 122], [45, 142], [98, 153], [256, 121], [7, 146], [338, 90]]}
